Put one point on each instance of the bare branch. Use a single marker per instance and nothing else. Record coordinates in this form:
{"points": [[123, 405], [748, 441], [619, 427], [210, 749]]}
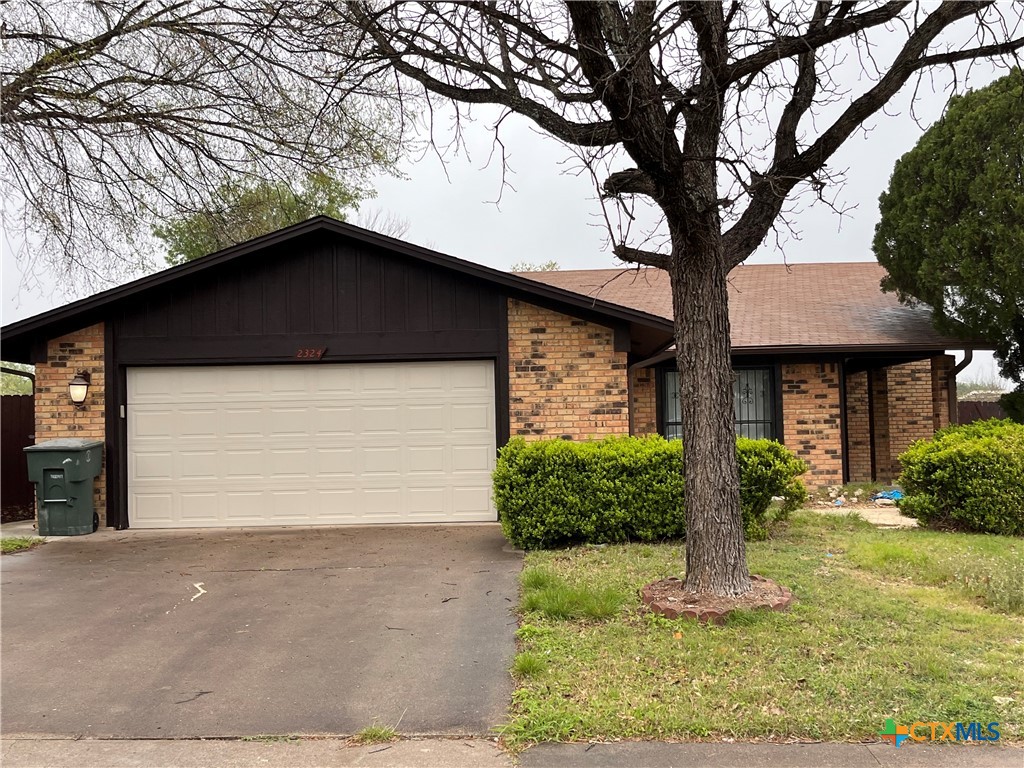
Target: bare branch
{"points": [[637, 256]]}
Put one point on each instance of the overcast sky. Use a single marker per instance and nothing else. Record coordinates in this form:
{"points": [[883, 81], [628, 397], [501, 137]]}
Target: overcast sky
{"points": [[551, 213]]}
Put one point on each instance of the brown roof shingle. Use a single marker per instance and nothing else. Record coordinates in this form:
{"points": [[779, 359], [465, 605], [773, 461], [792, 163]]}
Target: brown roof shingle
{"points": [[774, 306]]}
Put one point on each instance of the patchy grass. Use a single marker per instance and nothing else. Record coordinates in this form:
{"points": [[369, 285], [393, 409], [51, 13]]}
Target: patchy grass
{"points": [[375, 734], [19, 544], [986, 569], [886, 624]]}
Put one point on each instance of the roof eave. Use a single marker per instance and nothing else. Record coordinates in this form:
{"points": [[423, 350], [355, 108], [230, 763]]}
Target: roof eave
{"points": [[511, 282]]}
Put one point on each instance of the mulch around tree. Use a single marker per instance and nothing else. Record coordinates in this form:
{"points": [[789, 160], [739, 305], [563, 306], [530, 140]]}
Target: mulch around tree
{"points": [[669, 598]]}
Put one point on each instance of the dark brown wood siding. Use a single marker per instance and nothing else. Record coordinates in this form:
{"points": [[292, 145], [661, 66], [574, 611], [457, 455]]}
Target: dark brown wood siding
{"points": [[359, 302]]}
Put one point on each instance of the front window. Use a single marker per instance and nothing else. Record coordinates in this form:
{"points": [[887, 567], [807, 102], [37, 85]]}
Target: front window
{"points": [[753, 396]]}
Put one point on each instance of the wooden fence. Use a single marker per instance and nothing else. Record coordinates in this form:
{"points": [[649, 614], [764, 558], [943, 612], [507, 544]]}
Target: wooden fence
{"points": [[17, 425], [977, 410]]}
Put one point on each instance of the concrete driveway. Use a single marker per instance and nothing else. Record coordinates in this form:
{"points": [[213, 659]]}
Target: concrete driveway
{"points": [[323, 630]]}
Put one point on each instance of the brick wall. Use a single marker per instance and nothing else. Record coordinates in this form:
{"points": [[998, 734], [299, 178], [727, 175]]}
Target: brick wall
{"points": [[942, 368], [55, 415], [565, 378], [645, 403], [911, 414], [811, 420], [879, 382], [858, 427]]}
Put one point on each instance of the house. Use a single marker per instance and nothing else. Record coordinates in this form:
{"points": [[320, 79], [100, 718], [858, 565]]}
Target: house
{"points": [[325, 374]]}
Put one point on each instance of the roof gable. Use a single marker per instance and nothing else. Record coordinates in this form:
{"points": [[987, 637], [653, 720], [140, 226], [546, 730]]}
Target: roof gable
{"points": [[19, 336]]}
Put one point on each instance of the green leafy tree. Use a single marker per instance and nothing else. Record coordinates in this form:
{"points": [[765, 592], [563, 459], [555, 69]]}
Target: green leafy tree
{"points": [[952, 227], [245, 211], [530, 266], [11, 383]]}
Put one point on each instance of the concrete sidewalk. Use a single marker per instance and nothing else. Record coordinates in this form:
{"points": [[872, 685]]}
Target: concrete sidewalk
{"points": [[468, 753]]}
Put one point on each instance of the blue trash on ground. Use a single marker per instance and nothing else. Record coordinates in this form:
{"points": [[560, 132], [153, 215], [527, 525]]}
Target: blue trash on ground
{"points": [[894, 494]]}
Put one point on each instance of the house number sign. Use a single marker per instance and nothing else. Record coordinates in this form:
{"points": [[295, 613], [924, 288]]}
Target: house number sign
{"points": [[307, 353]]}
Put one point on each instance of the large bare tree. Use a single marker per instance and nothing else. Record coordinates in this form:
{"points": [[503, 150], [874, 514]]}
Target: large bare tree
{"points": [[720, 112], [121, 114]]}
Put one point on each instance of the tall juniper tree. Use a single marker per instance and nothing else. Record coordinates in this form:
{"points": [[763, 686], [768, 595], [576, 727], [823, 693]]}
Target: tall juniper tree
{"points": [[722, 110]]}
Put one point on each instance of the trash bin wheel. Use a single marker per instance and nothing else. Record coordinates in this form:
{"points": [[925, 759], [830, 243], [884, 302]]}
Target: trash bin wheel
{"points": [[95, 522]]}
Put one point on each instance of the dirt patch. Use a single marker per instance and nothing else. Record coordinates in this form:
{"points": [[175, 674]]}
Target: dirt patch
{"points": [[668, 598]]}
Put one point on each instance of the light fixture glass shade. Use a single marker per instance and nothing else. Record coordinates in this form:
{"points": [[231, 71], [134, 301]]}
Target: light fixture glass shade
{"points": [[78, 388]]}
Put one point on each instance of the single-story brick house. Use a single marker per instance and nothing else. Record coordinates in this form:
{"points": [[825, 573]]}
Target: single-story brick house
{"points": [[324, 374]]}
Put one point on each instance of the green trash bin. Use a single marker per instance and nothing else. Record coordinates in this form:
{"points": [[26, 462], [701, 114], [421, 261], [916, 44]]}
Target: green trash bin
{"points": [[63, 472]]}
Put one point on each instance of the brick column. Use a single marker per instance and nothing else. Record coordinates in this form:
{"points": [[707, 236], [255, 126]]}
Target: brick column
{"points": [[942, 368], [811, 420], [56, 417], [645, 402], [879, 382], [911, 412], [858, 427], [565, 378]]}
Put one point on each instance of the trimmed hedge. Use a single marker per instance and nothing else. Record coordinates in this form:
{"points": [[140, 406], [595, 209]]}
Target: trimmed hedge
{"points": [[967, 478], [551, 493]]}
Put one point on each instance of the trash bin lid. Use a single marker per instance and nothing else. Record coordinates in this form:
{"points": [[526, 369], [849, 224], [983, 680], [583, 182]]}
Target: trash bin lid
{"points": [[65, 444]]}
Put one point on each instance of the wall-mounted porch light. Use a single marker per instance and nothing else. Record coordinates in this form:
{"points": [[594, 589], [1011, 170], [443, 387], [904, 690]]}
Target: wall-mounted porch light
{"points": [[78, 388]]}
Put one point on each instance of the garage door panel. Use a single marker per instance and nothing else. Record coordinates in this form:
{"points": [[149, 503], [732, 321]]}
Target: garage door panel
{"points": [[332, 421], [153, 509], [291, 464], [471, 417], [328, 444], [426, 459], [197, 465], [152, 465], [335, 463], [426, 419], [199, 507], [379, 420], [470, 501], [240, 506]]}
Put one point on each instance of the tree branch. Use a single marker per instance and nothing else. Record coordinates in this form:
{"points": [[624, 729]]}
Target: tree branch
{"points": [[637, 256]]}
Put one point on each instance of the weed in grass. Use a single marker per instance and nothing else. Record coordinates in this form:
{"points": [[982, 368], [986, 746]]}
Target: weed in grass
{"points": [[528, 664], [561, 601], [273, 738], [18, 544], [527, 631], [537, 578], [375, 734]]}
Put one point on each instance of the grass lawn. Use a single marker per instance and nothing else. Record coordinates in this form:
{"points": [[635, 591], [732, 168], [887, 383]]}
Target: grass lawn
{"points": [[907, 624], [18, 543]]}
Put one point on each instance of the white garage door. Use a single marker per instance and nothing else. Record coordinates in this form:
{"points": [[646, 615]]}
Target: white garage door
{"points": [[310, 444]]}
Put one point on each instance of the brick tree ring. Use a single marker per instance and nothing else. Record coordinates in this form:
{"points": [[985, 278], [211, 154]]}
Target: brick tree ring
{"points": [[668, 598]]}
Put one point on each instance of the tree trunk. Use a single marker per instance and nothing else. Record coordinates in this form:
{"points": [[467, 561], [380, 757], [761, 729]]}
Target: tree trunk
{"points": [[715, 549]]}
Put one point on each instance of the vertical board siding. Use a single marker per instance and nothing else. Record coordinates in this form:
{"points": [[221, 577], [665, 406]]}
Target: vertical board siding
{"points": [[17, 422], [355, 299]]}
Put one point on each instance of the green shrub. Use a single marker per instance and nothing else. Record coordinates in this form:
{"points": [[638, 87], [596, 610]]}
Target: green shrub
{"points": [[767, 469], [968, 478], [552, 493]]}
